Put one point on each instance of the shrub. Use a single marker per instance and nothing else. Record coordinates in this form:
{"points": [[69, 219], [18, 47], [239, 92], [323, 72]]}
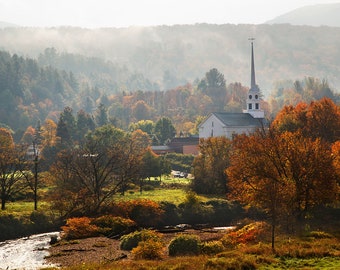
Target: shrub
{"points": [[224, 212], [12, 227], [131, 240], [40, 221], [170, 214], [211, 247], [77, 228], [148, 187], [194, 211], [246, 234], [110, 225], [146, 213], [150, 250], [319, 235], [184, 245]]}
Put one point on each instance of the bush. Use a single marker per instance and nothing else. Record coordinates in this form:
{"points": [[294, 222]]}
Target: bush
{"points": [[12, 227], [224, 212], [111, 226], [77, 228], [319, 235], [146, 213], [131, 240], [41, 222], [249, 233], [148, 187], [211, 247], [184, 245], [148, 250], [170, 214], [194, 211]]}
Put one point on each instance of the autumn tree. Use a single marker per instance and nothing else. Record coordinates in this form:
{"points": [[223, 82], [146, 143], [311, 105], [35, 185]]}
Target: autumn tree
{"points": [[48, 133], [210, 164], [284, 174], [88, 176], [310, 167], [140, 110], [10, 167], [319, 119], [144, 125]]}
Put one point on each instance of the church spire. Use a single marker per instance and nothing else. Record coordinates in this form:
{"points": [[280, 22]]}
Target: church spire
{"points": [[254, 94], [253, 82]]}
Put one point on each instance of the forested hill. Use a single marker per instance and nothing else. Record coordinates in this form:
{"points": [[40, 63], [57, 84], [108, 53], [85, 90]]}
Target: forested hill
{"points": [[314, 15], [168, 56]]}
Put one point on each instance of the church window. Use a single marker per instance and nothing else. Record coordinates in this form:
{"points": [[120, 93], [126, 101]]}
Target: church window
{"points": [[256, 96], [250, 106], [257, 106], [212, 123], [250, 96]]}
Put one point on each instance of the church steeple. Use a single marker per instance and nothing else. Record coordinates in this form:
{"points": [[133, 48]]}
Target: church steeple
{"points": [[254, 94], [252, 75]]}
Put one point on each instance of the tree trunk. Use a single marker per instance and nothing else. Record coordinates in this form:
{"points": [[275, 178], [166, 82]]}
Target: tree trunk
{"points": [[3, 204], [273, 235]]}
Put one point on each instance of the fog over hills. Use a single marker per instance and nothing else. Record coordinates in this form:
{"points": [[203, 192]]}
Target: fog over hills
{"points": [[313, 15], [287, 48]]}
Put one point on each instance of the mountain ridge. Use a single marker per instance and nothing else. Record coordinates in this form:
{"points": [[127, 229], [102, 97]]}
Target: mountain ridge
{"points": [[312, 15]]}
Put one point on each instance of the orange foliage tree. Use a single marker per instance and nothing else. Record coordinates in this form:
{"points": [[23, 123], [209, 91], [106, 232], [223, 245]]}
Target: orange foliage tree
{"points": [[285, 174], [319, 119], [10, 167]]}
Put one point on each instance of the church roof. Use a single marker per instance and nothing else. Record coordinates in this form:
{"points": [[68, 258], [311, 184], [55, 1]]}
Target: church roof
{"points": [[238, 119]]}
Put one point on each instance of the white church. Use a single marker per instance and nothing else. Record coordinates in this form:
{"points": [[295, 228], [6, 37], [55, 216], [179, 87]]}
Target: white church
{"points": [[228, 124]]}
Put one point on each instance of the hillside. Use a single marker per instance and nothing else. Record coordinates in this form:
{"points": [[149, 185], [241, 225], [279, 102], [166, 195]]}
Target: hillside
{"points": [[174, 55], [314, 15]]}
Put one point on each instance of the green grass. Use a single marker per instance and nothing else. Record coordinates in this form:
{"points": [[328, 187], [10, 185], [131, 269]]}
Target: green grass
{"points": [[20, 208], [325, 263], [175, 196]]}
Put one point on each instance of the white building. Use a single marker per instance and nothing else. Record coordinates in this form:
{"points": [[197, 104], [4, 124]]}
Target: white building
{"points": [[228, 124]]}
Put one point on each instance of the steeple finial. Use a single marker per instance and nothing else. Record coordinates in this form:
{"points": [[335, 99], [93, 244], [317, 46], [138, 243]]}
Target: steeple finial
{"points": [[253, 81]]}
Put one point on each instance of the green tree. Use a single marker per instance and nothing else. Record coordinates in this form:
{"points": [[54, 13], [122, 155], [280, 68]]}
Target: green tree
{"points": [[88, 176], [144, 125], [84, 124], [66, 127], [214, 86], [164, 130], [101, 115], [210, 164]]}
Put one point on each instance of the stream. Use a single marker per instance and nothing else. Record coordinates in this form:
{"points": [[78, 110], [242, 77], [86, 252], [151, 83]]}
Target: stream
{"points": [[27, 253]]}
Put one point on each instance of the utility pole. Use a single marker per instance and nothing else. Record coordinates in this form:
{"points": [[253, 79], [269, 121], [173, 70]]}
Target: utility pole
{"points": [[35, 184]]}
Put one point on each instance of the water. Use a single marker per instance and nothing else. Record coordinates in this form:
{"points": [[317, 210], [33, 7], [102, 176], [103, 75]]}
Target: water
{"points": [[26, 253]]}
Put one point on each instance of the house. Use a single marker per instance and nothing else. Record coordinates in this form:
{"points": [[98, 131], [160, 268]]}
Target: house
{"points": [[228, 124], [181, 145]]}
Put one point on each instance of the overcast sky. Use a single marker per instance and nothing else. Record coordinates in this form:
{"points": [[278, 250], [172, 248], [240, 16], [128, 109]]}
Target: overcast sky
{"points": [[122, 13]]}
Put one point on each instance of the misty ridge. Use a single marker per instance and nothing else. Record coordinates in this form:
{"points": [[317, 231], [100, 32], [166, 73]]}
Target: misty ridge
{"points": [[169, 56]]}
